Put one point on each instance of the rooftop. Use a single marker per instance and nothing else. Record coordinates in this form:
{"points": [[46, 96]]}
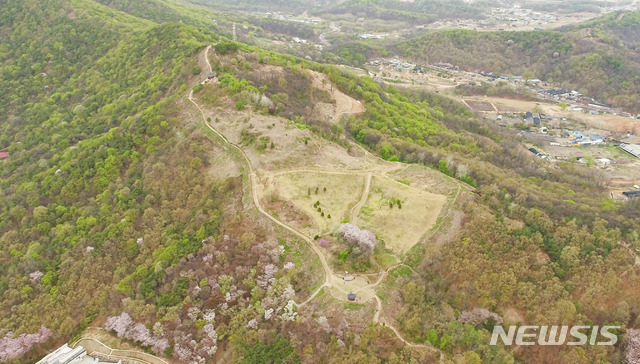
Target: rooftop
{"points": [[631, 193], [633, 149], [67, 355]]}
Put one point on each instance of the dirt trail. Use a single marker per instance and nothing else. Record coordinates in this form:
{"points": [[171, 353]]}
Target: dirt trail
{"points": [[332, 280], [345, 105], [355, 211], [254, 192]]}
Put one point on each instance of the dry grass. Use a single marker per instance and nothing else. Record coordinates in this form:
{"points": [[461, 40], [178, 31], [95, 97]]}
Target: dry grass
{"points": [[342, 192], [400, 228]]}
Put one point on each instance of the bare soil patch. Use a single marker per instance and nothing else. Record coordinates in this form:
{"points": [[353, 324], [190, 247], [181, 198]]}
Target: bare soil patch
{"points": [[275, 143], [344, 104], [479, 105]]}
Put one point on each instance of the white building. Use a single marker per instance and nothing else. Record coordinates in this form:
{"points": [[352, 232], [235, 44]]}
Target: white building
{"points": [[633, 149], [67, 355]]}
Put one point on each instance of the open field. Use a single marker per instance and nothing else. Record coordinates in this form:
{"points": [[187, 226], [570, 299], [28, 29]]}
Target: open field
{"points": [[276, 143], [337, 193], [402, 225], [610, 122]]}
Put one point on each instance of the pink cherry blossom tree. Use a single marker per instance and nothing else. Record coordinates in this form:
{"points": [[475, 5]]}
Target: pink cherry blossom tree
{"points": [[632, 340], [120, 324], [35, 277], [125, 327], [12, 348], [365, 239], [478, 315]]}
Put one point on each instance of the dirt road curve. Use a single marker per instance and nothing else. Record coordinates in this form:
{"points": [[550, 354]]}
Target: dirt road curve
{"points": [[331, 278], [95, 347]]}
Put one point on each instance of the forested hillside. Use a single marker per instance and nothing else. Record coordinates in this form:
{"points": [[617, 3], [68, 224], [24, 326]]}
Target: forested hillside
{"points": [[115, 211], [537, 245], [599, 58], [85, 118]]}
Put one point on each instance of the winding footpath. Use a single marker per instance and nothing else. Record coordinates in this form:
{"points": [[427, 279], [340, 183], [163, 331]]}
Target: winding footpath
{"points": [[330, 276], [365, 194]]}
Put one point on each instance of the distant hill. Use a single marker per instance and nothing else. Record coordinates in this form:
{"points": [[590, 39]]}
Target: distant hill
{"points": [[267, 5], [599, 57], [419, 11]]}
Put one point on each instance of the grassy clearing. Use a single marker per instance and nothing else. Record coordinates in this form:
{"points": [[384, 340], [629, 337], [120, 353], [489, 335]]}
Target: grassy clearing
{"points": [[335, 193], [385, 258], [399, 214], [401, 271], [352, 306]]}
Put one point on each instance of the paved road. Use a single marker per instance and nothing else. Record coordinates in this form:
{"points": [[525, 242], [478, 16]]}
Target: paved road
{"points": [[89, 344]]}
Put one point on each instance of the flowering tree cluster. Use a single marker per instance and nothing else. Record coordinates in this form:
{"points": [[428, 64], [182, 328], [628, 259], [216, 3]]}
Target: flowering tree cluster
{"points": [[365, 239], [289, 313], [35, 276], [183, 352], [323, 323], [268, 277], [268, 313], [478, 315], [632, 339], [252, 324], [193, 313], [276, 253], [11, 348], [289, 293], [125, 327], [207, 258], [209, 315], [323, 242]]}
